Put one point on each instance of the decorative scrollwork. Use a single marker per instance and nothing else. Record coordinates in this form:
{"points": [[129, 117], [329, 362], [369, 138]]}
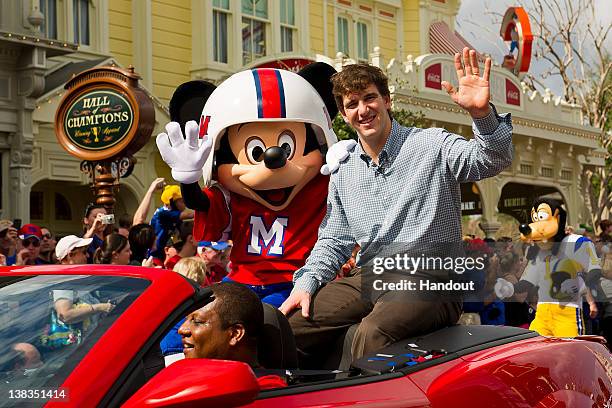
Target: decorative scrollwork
{"points": [[124, 165], [88, 168]]}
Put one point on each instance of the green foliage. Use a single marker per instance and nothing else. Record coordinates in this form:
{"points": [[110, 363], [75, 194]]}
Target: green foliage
{"points": [[342, 129], [402, 116], [409, 118]]}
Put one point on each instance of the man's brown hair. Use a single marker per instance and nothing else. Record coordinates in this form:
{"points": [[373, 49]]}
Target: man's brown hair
{"points": [[355, 78]]}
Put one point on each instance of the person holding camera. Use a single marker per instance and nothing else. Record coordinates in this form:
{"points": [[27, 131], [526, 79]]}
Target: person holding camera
{"points": [[8, 243], [94, 226]]}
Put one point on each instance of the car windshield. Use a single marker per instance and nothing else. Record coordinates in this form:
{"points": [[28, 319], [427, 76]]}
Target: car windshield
{"points": [[49, 322]]}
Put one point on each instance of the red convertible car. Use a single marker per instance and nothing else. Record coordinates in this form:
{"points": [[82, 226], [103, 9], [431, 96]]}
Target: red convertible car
{"points": [[114, 358]]}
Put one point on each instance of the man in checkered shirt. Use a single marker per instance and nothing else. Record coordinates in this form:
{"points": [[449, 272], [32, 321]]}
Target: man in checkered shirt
{"points": [[398, 185]]}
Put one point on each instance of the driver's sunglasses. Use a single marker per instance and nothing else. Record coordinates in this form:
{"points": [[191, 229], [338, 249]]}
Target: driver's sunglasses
{"points": [[47, 236], [31, 241], [3, 233]]}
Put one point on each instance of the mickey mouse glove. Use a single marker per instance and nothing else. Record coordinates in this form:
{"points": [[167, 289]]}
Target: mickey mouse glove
{"points": [[503, 289], [336, 154], [185, 156]]}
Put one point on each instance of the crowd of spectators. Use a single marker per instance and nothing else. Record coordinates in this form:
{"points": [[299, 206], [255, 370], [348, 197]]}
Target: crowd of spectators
{"points": [[505, 259], [166, 241]]}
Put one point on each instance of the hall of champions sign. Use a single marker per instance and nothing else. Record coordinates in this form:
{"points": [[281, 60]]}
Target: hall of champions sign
{"points": [[99, 119], [104, 115]]}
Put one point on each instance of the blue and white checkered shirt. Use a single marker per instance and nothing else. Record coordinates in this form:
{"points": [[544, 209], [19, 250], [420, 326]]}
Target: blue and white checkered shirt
{"points": [[411, 196]]}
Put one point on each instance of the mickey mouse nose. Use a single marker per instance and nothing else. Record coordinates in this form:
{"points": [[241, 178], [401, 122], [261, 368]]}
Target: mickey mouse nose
{"points": [[275, 157], [525, 229]]}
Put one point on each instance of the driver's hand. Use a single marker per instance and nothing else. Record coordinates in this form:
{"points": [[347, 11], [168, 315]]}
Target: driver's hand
{"points": [[105, 307], [297, 299]]}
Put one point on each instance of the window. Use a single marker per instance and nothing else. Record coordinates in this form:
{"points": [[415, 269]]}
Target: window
{"points": [[362, 41], [62, 208], [28, 313], [526, 169], [287, 19], [81, 21], [566, 174], [49, 26], [254, 21], [343, 36], [547, 172], [220, 18], [37, 205]]}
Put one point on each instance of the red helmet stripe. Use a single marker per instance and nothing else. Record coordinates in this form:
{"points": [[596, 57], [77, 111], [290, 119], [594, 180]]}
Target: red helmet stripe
{"points": [[270, 93]]}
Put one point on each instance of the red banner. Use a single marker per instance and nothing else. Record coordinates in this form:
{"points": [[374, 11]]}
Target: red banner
{"points": [[433, 76], [513, 96]]}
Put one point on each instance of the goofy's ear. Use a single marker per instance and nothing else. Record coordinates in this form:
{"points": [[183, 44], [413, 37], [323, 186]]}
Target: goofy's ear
{"points": [[188, 101], [318, 74]]}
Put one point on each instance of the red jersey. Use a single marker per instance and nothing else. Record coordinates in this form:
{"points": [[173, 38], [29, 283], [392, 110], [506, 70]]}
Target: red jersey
{"points": [[171, 262], [268, 246]]}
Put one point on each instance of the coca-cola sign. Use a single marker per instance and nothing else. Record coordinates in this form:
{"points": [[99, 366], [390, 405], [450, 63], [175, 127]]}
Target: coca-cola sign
{"points": [[433, 76], [289, 64], [513, 96]]}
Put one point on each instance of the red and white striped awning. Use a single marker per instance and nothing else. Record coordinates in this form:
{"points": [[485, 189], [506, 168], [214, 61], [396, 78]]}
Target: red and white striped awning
{"points": [[444, 41]]}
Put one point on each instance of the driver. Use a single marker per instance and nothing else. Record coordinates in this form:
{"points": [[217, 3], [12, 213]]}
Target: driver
{"points": [[227, 329]]}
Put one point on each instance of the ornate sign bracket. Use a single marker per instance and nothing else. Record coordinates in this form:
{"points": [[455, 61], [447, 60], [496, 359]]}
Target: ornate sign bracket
{"points": [[105, 176]]}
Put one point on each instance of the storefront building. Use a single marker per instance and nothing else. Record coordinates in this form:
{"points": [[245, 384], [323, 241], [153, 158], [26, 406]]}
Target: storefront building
{"points": [[44, 42]]}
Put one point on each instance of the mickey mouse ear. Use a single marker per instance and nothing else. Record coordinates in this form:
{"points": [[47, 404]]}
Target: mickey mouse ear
{"points": [[319, 74], [188, 101]]}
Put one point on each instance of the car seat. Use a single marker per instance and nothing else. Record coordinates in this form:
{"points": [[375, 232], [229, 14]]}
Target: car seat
{"points": [[276, 345]]}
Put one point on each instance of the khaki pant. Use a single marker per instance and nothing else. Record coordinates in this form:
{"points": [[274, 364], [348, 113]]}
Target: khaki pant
{"points": [[384, 320]]}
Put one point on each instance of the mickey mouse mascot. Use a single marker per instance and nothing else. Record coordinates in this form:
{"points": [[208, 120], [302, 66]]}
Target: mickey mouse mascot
{"points": [[557, 264], [259, 146]]}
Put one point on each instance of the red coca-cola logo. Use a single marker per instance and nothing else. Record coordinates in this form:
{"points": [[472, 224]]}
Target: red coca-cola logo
{"points": [[433, 76], [513, 96]]}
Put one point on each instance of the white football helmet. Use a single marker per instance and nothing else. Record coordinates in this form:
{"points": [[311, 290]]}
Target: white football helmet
{"points": [[263, 95]]}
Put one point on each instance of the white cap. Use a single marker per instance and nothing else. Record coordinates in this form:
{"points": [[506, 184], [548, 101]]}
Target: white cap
{"points": [[68, 243]]}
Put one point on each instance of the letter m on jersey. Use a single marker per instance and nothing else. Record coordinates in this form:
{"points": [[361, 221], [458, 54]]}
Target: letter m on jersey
{"points": [[268, 238]]}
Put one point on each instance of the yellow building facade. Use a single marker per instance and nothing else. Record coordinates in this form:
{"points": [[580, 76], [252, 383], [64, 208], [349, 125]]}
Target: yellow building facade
{"points": [[170, 42]]}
